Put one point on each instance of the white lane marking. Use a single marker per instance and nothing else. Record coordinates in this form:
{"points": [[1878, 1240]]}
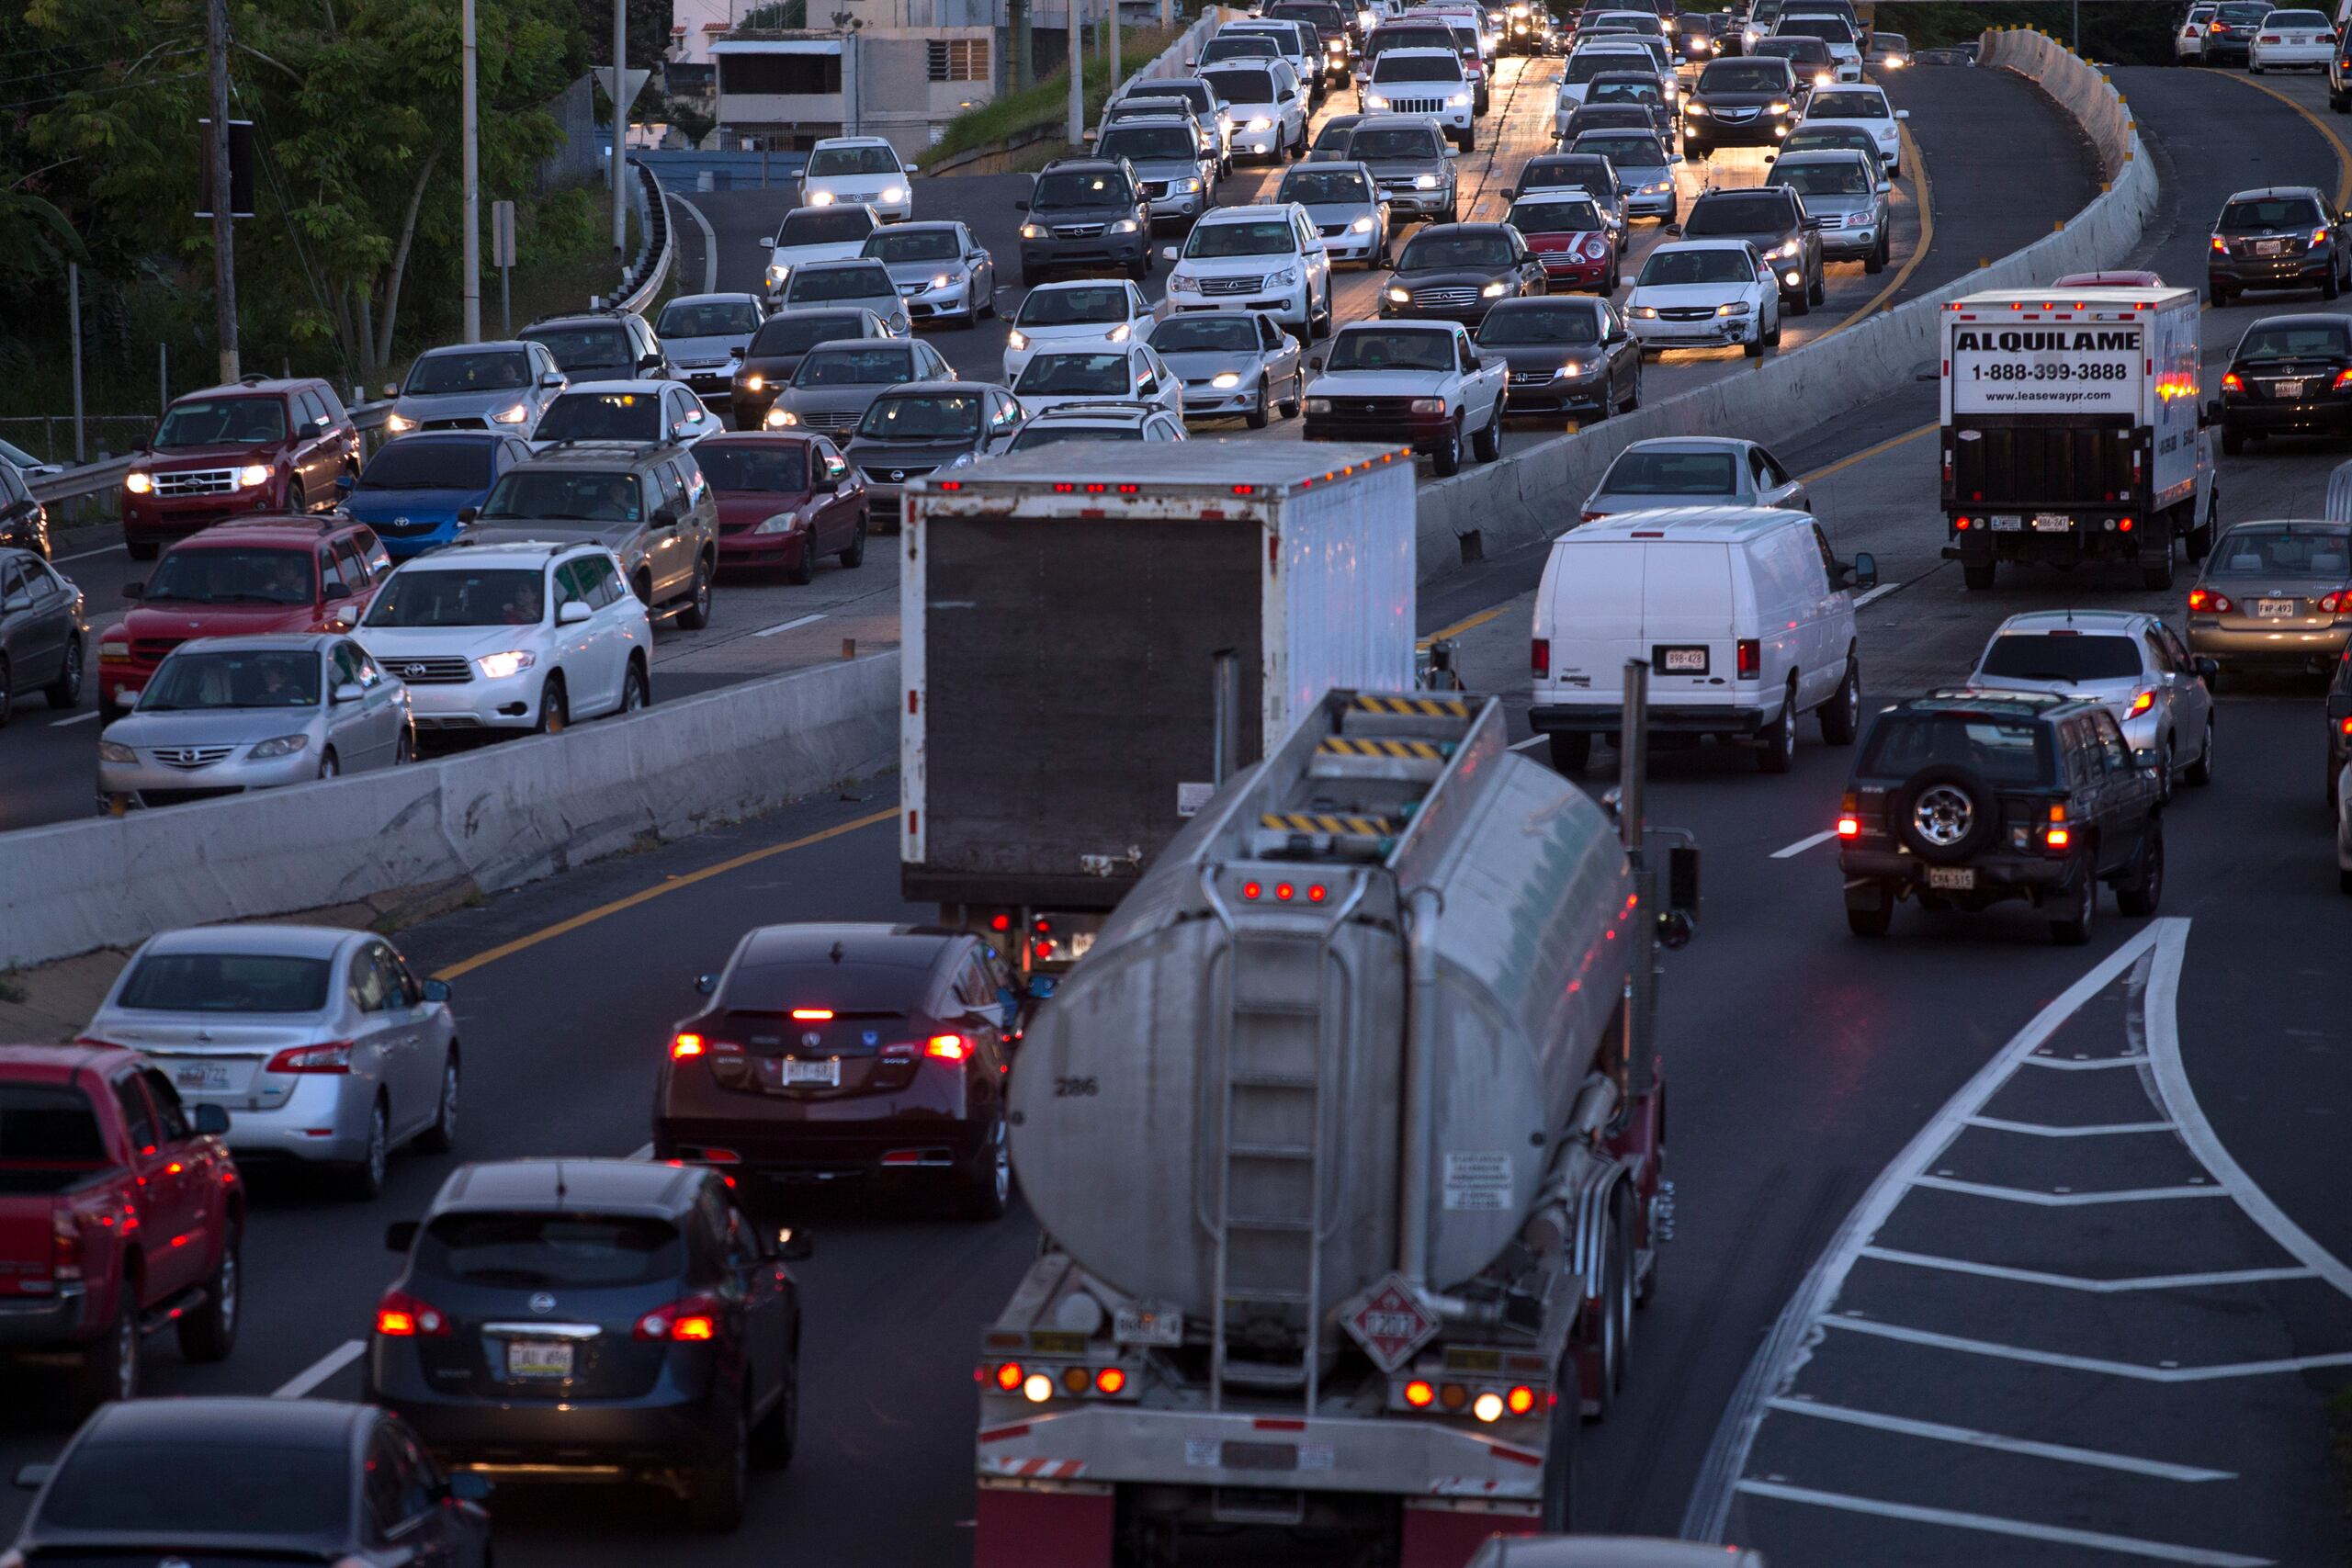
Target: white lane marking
{"points": [[1784, 1351], [1532, 741], [2046, 1130], [2024, 1528], [2066, 1200], [1939, 1432], [1804, 844], [2077, 1282], [2179, 1101], [1999, 1352], [709, 242], [2085, 1065], [790, 626], [76, 718], [1881, 591], [87, 555], [323, 1369], [643, 1151]]}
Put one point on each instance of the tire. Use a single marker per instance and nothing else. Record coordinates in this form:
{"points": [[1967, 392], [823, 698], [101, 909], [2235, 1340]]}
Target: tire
{"points": [[363, 1179], [643, 586], [2200, 771], [1873, 921], [141, 550], [1841, 715], [1875, 263], [637, 692], [404, 748], [1487, 442], [1753, 347], [2331, 285], [210, 1332], [715, 1491], [1022, 276], [2233, 441], [109, 1365], [1288, 408], [1633, 399], [802, 572], [330, 766], [1780, 749], [298, 502], [696, 614], [1617, 1300], [1318, 327], [2156, 575], [2072, 928], [1261, 415], [1571, 754], [1799, 306], [1817, 290], [1968, 815], [1446, 461], [442, 1136], [1772, 338], [1976, 576], [555, 707], [2144, 889], [853, 556], [65, 691], [986, 1193], [778, 1432]]}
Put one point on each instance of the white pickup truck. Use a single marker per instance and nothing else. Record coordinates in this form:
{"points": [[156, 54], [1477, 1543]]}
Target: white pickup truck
{"points": [[1422, 384]]}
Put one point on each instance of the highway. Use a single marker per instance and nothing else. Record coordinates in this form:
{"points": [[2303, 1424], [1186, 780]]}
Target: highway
{"points": [[1802, 1064]]}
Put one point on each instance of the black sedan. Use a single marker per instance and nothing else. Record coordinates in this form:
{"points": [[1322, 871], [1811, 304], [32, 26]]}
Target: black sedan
{"points": [[1457, 272], [234, 1480], [588, 1319], [42, 632], [1739, 103], [1570, 355], [777, 352], [2284, 237], [2291, 375]]}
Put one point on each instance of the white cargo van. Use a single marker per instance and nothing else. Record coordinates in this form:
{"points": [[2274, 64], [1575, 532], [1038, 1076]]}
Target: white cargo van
{"points": [[1744, 618]]}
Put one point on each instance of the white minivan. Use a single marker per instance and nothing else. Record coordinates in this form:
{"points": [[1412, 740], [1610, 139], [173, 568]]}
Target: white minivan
{"points": [[1743, 615]]}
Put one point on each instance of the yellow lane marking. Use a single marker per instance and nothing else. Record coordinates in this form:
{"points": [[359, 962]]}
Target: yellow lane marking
{"points": [[1867, 452], [1468, 623], [1925, 203], [2342, 153], [590, 917]]}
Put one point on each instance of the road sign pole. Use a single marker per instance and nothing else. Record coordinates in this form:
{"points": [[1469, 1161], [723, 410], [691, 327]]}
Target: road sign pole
{"points": [[74, 304], [470, 167], [502, 256], [224, 221]]}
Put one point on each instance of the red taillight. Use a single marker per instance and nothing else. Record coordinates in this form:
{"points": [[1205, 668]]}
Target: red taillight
{"points": [[2140, 703], [2233, 382], [2319, 236], [1009, 1375], [1285, 892], [2269, 38], [1420, 1394], [1519, 1401], [948, 1047], [2221, 246], [686, 1045], [2205, 598], [65, 1249], [1751, 658], [1539, 658], [812, 1015], [401, 1316], [1849, 821], [2344, 726], [2060, 838], [1110, 1380], [2338, 603], [1250, 890], [1594, 517], [333, 1056], [999, 922], [1961, 523], [2057, 835], [1316, 894], [693, 1320]]}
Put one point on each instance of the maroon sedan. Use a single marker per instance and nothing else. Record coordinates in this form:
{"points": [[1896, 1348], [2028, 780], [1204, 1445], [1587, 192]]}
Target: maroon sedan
{"points": [[784, 502]]}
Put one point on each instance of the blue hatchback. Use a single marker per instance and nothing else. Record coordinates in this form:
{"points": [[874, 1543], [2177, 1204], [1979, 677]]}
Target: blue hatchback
{"points": [[411, 490]]}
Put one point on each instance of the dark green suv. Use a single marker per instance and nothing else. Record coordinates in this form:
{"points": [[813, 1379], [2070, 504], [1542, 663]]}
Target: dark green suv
{"points": [[1963, 799]]}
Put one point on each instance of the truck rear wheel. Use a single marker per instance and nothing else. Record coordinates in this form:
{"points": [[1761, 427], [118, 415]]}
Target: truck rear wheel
{"points": [[1571, 754], [109, 1369], [1976, 576]]}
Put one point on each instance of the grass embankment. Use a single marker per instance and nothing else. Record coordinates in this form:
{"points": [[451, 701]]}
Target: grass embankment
{"points": [[1047, 103]]}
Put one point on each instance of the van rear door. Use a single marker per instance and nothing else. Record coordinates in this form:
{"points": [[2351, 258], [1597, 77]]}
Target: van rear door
{"points": [[1689, 620], [1591, 611]]}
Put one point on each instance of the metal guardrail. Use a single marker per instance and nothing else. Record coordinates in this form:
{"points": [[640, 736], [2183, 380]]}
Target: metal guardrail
{"points": [[659, 251]]}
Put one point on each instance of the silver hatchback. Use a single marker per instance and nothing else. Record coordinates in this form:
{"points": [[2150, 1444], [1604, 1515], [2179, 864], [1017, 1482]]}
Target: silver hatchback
{"points": [[322, 1044]]}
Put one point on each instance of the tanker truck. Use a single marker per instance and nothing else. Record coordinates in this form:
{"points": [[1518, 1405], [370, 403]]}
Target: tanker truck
{"points": [[1346, 1135]]}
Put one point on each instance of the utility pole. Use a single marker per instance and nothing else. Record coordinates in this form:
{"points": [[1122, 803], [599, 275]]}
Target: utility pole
{"points": [[1114, 63], [1019, 63], [74, 304], [1077, 75], [620, 125], [224, 221], [472, 168]]}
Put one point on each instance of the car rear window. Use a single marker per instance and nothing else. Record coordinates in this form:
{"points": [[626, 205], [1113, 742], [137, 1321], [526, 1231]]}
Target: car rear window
{"points": [[824, 226], [2319, 552], [226, 982], [2321, 340], [603, 416], [2002, 752], [429, 465], [802, 331], [867, 280], [200, 1487], [2270, 213], [2061, 656], [576, 346], [1673, 473], [47, 1124], [777, 465], [1713, 215], [533, 1250]]}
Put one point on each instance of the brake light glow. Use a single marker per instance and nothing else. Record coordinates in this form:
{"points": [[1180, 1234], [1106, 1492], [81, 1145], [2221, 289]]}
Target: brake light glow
{"points": [[2230, 380], [1285, 892], [1751, 658], [1317, 893], [2319, 236], [2060, 838], [685, 1047], [1420, 1394], [999, 922], [333, 1056], [1961, 523], [948, 1047], [1539, 657], [1009, 1375], [2205, 598], [1110, 1380], [2057, 835], [689, 1320], [2343, 379], [1519, 1401], [2337, 604], [1250, 890], [812, 1015], [2344, 726], [2142, 703], [401, 1316]]}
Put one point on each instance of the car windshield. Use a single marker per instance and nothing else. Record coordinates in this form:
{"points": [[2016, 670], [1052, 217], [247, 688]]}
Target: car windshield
{"points": [[584, 1251], [1081, 305], [222, 422], [813, 284], [2255, 213], [427, 464], [226, 982], [1829, 30], [1584, 65], [46, 1124], [1314, 187], [767, 466], [929, 416], [1671, 472], [1998, 750], [1737, 214], [1667, 268], [2060, 655], [603, 416], [1555, 217], [1400, 142], [244, 576], [884, 365], [2318, 340], [2303, 551], [500, 370], [1429, 251], [1241, 85], [852, 161], [1624, 152], [1644, 92], [1840, 178], [1889, 43], [913, 245], [1377, 349], [708, 318], [1250, 237], [201, 1487], [1078, 188], [1043, 434], [1396, 67], [1150, 144], [1058, 374], [824, 226], [451, 597], [574, 347], [1846, 106], [1207, 331], [1564, 323], [192, 680], [566, 495], [800, 332]]}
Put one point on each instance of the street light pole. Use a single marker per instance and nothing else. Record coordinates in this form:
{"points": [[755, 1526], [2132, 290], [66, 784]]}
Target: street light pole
{"points": [[225, 222], [1077, 77], [472, 168]]}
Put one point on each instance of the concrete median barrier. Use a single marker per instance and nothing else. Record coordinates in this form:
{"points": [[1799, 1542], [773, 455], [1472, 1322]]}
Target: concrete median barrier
{"points": [[1536, 493], [488, 819]]}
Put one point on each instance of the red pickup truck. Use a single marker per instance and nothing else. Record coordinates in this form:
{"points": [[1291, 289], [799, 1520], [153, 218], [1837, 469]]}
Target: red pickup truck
{"points": [[119, 1211]]}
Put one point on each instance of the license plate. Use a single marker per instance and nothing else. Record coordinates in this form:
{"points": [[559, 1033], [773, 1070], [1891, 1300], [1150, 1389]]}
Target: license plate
{"points": [[1952, 878], [1682, 660], [1076, 945], [2274, 609], [1145, 1325], [2050, 523], [202, 1077], [2006, 522], [539, 1358], [2269, 247], [2289, 387], [827, 1072]]}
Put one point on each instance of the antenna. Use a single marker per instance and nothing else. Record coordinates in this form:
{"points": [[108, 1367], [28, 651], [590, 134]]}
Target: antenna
{"points": [[559, 1181], [836, 955]]}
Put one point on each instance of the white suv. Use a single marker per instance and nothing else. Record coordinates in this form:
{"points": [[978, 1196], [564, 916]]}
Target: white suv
{"points": [[1431, 81], [1265, 258], [859, 169], [512, 637]]}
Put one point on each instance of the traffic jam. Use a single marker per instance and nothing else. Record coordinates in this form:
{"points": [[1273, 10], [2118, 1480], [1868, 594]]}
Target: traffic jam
{"points": [[1214, 1110]]}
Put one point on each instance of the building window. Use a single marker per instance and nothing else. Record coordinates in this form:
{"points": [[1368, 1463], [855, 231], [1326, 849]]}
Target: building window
{"points": [[959, 60], [780, 73]]}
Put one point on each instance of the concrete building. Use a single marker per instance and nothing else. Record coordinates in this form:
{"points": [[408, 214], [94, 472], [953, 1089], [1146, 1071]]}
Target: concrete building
{"points": [[895, 68]]}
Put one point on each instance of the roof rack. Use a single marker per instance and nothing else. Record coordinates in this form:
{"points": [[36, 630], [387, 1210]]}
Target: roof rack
{"points": [[325, 524]]}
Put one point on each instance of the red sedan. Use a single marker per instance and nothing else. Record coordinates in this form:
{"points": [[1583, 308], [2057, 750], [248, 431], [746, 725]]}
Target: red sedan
{"points": [[785, 500], [1564, 229]]}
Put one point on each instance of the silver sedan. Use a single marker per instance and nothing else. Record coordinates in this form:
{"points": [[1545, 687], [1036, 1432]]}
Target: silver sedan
{"points": [[227, 714], [1693, 470], [942, 272], [1233, 362]]}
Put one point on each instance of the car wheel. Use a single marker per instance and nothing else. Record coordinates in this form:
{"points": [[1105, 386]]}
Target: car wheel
{"points": [[1875, 262], [715, 1491], [2200, 771], [65, 691], [555, 708], [1841, 715], [1633, 396], [2331, 285], [2072, 926], [1487, 442], [208, 1333], [404, 748], [1799, 306], [1874, 916], [2144, 889], [365, 1178], [1772, 338], [1260, 413], [1780, 752], [1753, 347], [635, 696], [1571, 754], [1288, 407], [988, 1191], [109, 1369], [442, 1136], [1817, 290], [778, 1433], [2156, 575], [803, 571], [329, 766], [297, 502], [853, 556], [696, 614], [1446, 461]]}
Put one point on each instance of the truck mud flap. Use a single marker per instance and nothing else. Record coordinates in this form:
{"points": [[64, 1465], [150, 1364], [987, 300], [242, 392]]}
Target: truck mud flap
{"points": [[1439, 1537], [1069, 1529]]}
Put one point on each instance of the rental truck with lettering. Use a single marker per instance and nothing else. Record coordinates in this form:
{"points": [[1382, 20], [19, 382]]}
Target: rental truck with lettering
{"points": [[2075, 431]]}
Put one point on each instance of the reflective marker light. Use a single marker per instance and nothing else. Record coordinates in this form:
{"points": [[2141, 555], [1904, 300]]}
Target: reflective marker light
{"points": [[1250, 890], [1284, 892]]}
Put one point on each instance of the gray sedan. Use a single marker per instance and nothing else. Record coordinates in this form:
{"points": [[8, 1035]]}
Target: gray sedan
{"points": [[942, 272], [1342, 200], [837, 382], [476, 386], [837, 285], [1232, 362], [1843, 195], [227, 714], [706, 335], [1693, 470]]}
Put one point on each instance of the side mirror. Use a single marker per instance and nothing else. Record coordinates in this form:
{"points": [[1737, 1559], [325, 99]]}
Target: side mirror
{"points": [[553, 380], [665, 516], [33, 1477], [707, 984], [391, 390], [2339, 703], [767, 241], [134, 592], [469, 1486], [1616, 335], [1886, 186], [1674, 228], [308, 430], [342, 484], [1168, 252], [335, 591], [436, 990], [468, 513], [1768, 157], [1903, 114], [795, 1246], [651, 362], [735, 352], [349, 692], [1812, 224], [1863, 574], [400, 1236], [573, 612], [1021, 206], [210, 1121]]}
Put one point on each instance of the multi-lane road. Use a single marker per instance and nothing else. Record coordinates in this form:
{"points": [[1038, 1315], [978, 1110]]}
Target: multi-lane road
{"points": [[1811, 1389]]}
